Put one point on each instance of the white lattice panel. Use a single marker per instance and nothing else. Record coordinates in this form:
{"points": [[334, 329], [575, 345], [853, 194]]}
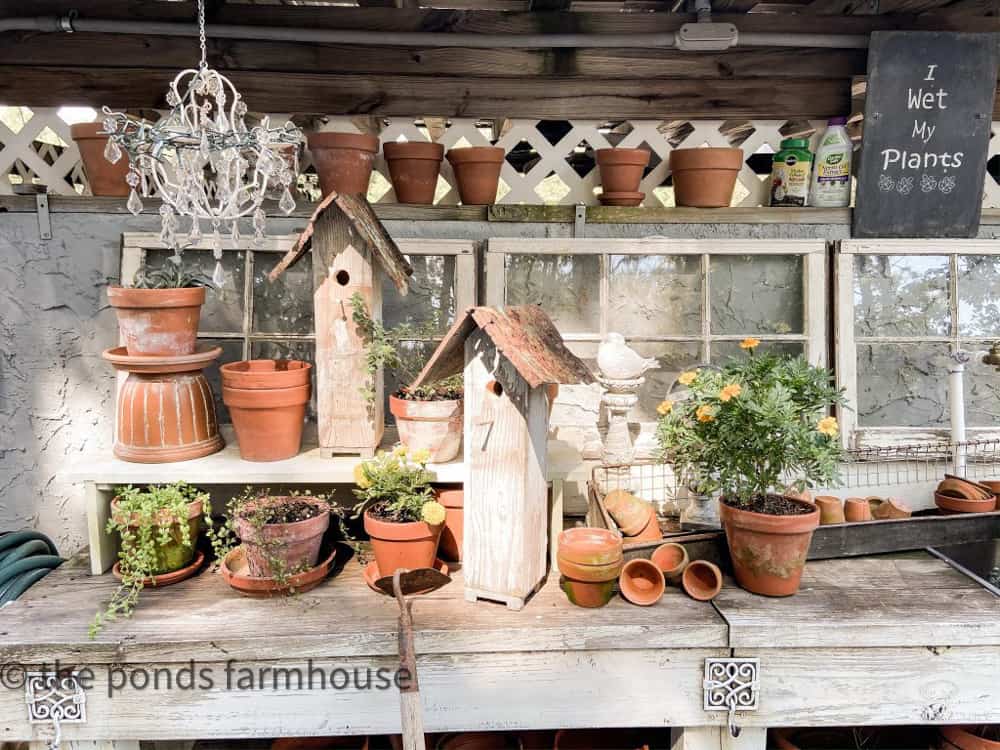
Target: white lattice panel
{"points": [[42, 151]]}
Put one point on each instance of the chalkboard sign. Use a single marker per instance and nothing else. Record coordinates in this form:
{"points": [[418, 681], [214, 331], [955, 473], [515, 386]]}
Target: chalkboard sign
{"points": [[928, 111]]}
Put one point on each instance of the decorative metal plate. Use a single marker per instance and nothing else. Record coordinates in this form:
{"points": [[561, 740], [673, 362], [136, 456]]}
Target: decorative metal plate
{"points": [[55, 698], [732, 685]]}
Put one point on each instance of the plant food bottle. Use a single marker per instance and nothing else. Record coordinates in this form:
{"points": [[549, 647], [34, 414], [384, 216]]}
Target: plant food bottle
{"points": [[831, 181], [790, 173]]}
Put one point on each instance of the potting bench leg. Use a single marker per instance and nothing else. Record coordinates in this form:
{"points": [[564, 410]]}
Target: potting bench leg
{"points": [[103, 546], [718, 738], [555, 524]]}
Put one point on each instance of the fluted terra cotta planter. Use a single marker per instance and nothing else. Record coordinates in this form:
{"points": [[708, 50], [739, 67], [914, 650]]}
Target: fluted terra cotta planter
{"points": [[103, 177], [414, 167], [343, 161], [477, 172], [705, 177]]}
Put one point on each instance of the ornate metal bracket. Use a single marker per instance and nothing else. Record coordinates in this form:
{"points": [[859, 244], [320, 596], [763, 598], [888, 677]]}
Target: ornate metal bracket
{"points": [[55, 698], [732, 685]]}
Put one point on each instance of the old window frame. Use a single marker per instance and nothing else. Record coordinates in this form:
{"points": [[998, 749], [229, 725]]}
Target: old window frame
{"points": [[855, 435]]}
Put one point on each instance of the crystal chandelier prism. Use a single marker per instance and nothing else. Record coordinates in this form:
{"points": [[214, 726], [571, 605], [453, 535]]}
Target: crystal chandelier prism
{"points": [[204, 162]]}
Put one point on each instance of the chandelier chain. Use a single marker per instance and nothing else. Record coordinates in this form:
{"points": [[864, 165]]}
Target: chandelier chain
{"points": [[201, 34]]}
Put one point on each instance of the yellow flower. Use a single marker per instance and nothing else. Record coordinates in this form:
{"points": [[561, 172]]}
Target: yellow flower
{"points": [[749, 343], [399, 451], [705, 413], [730, 391], [433, 512], [828, 426], [361, 478], [687, 378], [665, 408], [421, 456]]}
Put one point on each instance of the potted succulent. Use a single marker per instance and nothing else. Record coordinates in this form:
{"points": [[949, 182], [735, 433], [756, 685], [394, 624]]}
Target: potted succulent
{"points": [[158, 315], [159, 528], [752, 432], [401, 515]]}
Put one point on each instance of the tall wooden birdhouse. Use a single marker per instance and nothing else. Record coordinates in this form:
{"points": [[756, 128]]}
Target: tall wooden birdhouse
{"points": [[351, 251], [513, 360]]}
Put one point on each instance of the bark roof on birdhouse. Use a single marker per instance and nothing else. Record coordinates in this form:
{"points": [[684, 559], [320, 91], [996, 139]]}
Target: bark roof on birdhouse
{"points": [[524, 335], [368, 227]]}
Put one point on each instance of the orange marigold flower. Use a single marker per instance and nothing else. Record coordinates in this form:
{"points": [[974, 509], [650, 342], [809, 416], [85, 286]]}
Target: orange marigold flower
{"points": [[687, 378], [749, 343], [828, 426], [730, 391], [705, 413], [664, 408]]}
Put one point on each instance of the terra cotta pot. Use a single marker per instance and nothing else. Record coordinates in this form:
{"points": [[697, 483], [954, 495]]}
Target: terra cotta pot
{"points": [[104, 177], [158, 322], [705, 177], [641, 582], [477, 172], [621, 169], [408, 545], [590, 561], [343, 161], [453, 500], [671, 558], [628, 511], [831, 509], [173, 554], [414, 167], [294, 546], [768, 551], [967, 738], [857, 509], [434, 426], [702, 580]]}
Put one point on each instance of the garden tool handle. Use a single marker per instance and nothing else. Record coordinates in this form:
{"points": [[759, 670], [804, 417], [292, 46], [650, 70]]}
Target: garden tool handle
{"points": [[411, 715]]}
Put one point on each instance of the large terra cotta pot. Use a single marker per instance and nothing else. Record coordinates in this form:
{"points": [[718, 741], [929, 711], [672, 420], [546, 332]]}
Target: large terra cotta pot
{"points": [[434, 426], [414, 167], [296, 545], [477, 172], [267, 400], [104, 178], [174, 554], [453, 500], [408, 545], [768, 551], [705, 177], [343, 161], [158, 322]]}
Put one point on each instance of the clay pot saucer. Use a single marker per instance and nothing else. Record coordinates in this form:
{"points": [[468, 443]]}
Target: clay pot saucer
{"points": [[175, 576], [962, 505], [235, 569], [203, 356], [621, 198], [372, 574]]}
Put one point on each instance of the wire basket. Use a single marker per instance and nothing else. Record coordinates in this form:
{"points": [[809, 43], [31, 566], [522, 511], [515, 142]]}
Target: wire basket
{"points": [[916, 463]]}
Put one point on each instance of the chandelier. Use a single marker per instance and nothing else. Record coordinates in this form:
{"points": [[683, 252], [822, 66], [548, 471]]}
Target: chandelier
{"points": [[204, 162]]}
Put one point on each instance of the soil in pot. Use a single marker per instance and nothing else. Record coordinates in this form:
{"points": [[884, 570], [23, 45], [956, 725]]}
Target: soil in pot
{"points": [[103, 177], [453, 500], [343, 161], [621, 169], [158, 322], [641, 582], [434, 426], [173, 555], [477, 172], [705, 177], [407, 544], [768, 542], [267, 400], [671, 558], [282, 535], [702, 580], [414, 167]]}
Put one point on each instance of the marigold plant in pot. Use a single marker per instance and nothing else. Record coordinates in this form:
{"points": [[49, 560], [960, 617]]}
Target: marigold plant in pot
{"points": [[753, 431], [158, 314], [158, 528], [401, 515]]}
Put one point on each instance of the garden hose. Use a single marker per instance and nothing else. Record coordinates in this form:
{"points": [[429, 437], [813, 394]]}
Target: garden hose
{"points": [[25, 558]]}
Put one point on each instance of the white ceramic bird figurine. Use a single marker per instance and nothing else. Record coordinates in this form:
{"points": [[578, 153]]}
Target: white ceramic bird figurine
{"points": [[618, 362]]}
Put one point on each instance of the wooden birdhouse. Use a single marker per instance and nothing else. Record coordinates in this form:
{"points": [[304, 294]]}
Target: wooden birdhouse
{"points": [[351, 251], [513, 360]]}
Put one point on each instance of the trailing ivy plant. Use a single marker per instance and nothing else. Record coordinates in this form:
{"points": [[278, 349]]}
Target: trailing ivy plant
{"points": [[396, 487], [382, 349], [148, 521], [170, 275]]}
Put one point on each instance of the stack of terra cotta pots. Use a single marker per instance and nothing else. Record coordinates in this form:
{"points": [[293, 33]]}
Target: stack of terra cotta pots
{"points": [[960, 495], [590, 561], [104, 178], [165, 408], [621, 172], [635, 517]]}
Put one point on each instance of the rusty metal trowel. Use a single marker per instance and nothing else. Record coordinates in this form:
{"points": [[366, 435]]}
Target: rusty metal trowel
{"points": [[401, 584]]}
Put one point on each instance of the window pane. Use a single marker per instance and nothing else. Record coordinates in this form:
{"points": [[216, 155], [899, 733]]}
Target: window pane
{"points": [[901, 295], [978, 298], [904, 385], [674, 358], [653, 295], [431, 296], [301, 350], [223, 308], [566, 286], [982, 396], [724, 351], [232, 351], [286, 304], [756, 294]]}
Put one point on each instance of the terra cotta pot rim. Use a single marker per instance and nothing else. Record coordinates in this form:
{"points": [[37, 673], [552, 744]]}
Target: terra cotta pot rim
{"points": [[426, 150], [334, 139], [584, 544], [265, 398], [432, 411], [127, 296], [82, 130], [399, 530], [636, 156], [772, 523], [489, 154], [195, 508]]}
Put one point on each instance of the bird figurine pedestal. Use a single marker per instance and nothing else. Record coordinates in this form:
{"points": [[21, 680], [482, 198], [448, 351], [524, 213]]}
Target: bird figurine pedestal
{"points": [[618, 451]]}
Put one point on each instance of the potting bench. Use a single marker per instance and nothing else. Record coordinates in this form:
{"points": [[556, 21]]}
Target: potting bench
{"points": [[886, 640]]}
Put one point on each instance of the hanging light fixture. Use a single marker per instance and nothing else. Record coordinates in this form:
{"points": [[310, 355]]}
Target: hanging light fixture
{"points": [[203, 161]]}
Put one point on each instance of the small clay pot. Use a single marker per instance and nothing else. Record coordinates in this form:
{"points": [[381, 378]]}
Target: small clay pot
{"points": [[295, 546], [629, 512], [857, 509], [103, 177], [453, 500], [650, 532], [621, 169], [158, 322], [591, 573], [967, 738], [343, 161], [705, 177], [477, 172], [268, 420], [888, 508], [414, 167], [621, 199], [702, 580], [831, 510], [671, 558], [407, 545], [434, 426], [641, 582]]}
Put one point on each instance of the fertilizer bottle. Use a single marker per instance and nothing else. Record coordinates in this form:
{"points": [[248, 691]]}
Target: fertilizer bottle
{"points": [[831, 179]]}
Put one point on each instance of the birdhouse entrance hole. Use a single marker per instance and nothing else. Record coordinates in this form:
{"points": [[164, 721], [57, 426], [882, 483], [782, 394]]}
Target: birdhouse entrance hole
{"points": [[494, 388], [343, 277]]}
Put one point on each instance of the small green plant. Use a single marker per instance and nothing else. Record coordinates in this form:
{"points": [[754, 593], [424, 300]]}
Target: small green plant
{"points": [[383, 349], [396, 487], [760, 424], [155, 539], [170, 275]]}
